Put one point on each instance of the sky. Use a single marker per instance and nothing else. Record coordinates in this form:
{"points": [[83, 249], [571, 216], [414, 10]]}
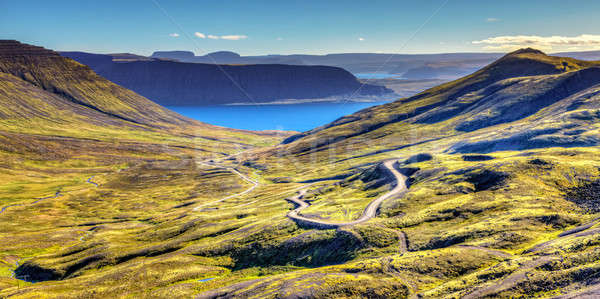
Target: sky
{"points": [[263, 27]]}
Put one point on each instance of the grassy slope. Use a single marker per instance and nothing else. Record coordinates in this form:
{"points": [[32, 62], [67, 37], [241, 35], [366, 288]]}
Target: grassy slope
{"points": [[138, 234], [63, 128]]}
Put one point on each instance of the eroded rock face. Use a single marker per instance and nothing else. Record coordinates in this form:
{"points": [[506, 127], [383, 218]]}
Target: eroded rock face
{"points": [[13, 48]]}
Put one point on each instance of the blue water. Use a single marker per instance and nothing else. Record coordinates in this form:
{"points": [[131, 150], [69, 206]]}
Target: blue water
{"points": [[376, 75], [292, 117]]}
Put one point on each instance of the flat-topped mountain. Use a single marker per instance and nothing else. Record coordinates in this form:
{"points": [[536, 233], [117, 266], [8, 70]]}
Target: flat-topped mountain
{"points": [[178, 55], [187, 84], [446, 66], [412, 66]]}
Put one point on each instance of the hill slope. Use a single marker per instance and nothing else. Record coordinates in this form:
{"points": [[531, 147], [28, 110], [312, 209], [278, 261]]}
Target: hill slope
{"points": [[44, 89], [65, 131], [513, 88], [503, 167], [49, 71]]}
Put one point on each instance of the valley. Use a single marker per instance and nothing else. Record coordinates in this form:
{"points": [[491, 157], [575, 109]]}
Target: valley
{"points": [[484, 186]]}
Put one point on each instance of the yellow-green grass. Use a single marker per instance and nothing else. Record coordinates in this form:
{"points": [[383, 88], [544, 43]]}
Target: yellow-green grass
{"points": [[157, 223]]}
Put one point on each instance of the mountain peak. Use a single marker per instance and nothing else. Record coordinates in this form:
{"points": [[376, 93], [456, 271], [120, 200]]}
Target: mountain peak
{"points": [[526, 51], [531, 62]]}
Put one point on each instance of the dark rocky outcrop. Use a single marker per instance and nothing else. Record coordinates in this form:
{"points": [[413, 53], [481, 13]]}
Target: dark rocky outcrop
{"points": [[422, 157], [14, 49], [586, 195], [477, 158], [187, 84], [374, 177], [482, 179], [33, 273]]}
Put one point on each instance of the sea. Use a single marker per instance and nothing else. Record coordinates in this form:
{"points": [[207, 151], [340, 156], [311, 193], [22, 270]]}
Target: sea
{"points": [[289, 117]]}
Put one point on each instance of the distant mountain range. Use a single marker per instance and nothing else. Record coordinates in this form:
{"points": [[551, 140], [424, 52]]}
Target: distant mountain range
{"points": [[446, 66], [174, 83], [180, 78], [422, 66]]}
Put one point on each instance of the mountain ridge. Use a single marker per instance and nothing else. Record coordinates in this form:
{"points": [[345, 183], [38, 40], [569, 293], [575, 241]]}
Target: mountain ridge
{"points": [[446, 102], [447, 66], [51, 72]]}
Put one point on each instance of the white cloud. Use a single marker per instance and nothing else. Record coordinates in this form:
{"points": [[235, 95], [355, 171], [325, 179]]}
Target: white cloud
{"points": [[548, 43], [212, 36], [174, 34], [233, 37], [280, 38], [492, 20], [361, 39]]}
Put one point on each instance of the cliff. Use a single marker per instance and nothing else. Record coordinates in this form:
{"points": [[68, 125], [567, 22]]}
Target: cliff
{"points": [[181, 84]]}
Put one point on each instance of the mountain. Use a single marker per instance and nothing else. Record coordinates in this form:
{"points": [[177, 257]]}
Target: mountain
{"points": [[447, 66], [223, 55], [44, 93], [177, 55], [401, 64], [190, 84], [47, 71], [63, 129], [585, 55], [515, 87]]}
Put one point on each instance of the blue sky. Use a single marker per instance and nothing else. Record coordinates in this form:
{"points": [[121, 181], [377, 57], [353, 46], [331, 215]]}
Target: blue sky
{"points": [[312, 27]]}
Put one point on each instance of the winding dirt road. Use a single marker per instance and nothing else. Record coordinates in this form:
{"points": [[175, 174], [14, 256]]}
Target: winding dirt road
{"points": [[369, 212], [56, 195], [232, 170], [521, 273]]}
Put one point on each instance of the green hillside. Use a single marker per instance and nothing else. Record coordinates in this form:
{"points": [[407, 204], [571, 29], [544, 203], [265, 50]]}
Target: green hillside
{"points": [[102, 199]]}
